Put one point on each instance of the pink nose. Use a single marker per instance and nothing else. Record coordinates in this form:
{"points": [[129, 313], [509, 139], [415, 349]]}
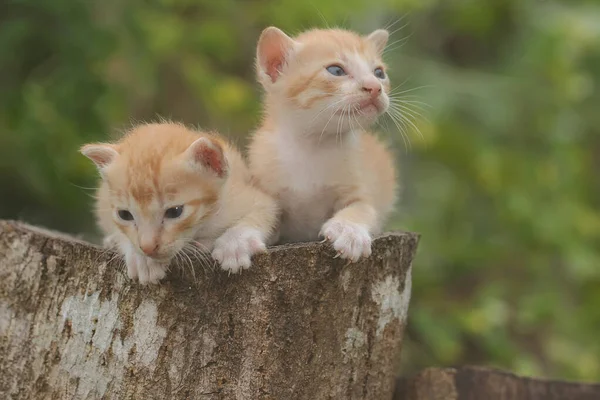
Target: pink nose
{"points": [[149, 249], [373, 88]]}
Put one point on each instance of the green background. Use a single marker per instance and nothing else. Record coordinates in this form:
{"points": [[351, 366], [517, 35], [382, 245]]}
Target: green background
{"points": [[503, 185]]}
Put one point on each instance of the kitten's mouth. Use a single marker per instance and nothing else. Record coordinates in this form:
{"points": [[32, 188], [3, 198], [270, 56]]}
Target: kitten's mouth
{"points": [[368, 106], [364, 107], [160, 258]]}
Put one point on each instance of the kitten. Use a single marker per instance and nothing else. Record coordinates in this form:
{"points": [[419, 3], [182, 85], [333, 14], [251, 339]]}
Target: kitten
{"points": [[331, 177], [166, 188]]}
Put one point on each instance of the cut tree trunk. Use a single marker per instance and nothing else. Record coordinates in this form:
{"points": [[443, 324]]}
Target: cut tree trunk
{"points": [[298, 324], [476, 383]]}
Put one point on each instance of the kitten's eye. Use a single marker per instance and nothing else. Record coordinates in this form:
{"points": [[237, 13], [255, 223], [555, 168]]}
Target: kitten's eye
{"points": [[174, 212], [125, 215], [379, 73], [336, 70]]}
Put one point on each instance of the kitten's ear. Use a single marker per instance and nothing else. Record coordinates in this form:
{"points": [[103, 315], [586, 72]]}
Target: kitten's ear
{"points": [[274, 47], [379, 38], [101, 154], [208, 155]]}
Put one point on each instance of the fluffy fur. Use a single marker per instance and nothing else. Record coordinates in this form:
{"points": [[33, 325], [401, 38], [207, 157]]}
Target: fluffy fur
{"points": [[312, 153], [158, 171]]}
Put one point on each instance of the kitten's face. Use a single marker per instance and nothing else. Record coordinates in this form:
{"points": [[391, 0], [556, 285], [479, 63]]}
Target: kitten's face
{"points": [[161, 186], [329, 81]]}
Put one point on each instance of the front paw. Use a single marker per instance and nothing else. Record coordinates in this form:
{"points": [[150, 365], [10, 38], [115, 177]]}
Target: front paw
{"points": [[349, 239], [236, 246], [145, 269]]}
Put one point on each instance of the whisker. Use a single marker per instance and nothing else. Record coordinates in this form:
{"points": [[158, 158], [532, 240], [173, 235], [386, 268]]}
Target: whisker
{"points": [[179, 262], [384, 122], [191, 264], [401, 129], [350, 117], [104, 251], [396, 45], [322, 17], [188, 264], [414, 112], [405, 81], [394, 23], [411, 90], [357, 111], [203, 258], [410, 107], [415, 127], [340, 125], [413, 109], [409, 111], [405, 96], [404, 118], [326, 108], [120, 266], [83, 187], [413, 103], [328, 121], [400, 99], [200, 245]]}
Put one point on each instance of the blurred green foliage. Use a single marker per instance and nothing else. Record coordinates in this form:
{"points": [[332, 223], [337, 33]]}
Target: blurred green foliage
{"points": [[503, 185]]}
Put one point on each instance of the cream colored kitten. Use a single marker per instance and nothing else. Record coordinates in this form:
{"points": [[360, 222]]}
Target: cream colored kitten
{"points": [[165, 188], [330, 177]]}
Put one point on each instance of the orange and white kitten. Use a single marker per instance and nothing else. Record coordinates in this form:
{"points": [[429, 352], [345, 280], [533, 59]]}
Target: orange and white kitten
{"points": [[166, 188], [331, 177]]}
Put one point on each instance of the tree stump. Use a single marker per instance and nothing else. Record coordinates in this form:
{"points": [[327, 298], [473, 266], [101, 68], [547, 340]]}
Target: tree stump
{"points": [[298, 324], [476, 383]]}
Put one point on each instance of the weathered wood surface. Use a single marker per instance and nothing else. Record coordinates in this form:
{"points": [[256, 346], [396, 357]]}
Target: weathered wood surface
{"points": [[298, 324], [475, 383]]}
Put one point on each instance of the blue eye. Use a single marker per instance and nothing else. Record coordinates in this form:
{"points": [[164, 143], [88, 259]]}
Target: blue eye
{"points": [[125, 215], [336, 70], [174, 212], [379, 73]]}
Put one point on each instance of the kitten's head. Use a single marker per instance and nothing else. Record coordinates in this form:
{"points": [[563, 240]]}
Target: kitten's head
{"points": [[161, 181], [329, 81]]}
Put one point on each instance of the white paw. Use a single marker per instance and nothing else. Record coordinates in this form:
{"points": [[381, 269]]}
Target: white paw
{"points": [[145, 269], [349, 239], [236, 246]]}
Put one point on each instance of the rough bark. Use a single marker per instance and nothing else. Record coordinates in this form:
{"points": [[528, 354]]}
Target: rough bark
{"points": [[475, 383], [298, 324]]}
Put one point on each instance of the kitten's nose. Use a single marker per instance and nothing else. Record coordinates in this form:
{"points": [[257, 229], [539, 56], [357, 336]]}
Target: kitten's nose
{"points": [[372, 87], [149, 248]]}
